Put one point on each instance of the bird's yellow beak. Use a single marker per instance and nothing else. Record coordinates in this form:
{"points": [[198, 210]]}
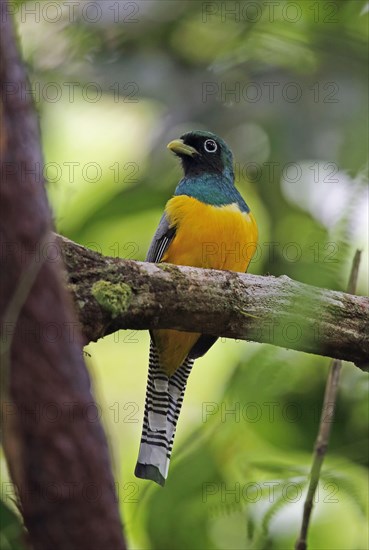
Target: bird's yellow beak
{"points": [[180, 148]]}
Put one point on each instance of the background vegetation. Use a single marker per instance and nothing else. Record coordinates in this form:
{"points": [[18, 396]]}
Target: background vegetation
{"points": [[285, 83]]}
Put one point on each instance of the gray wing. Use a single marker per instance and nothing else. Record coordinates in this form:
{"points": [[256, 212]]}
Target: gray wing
{"points": [[203, 344], [162, 239]]}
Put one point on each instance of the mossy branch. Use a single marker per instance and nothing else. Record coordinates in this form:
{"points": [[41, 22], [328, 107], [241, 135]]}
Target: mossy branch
{"points": [[112, 294]]}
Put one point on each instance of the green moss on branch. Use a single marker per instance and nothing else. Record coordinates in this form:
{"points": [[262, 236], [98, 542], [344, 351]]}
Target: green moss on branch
{"points": [[114, 298]]}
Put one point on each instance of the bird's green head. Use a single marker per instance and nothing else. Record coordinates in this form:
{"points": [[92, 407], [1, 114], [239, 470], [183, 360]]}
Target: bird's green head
{"points": [[203, 153]]}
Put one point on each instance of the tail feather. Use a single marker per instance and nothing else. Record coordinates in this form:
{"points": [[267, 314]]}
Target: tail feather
{"points": [[164, 398]]}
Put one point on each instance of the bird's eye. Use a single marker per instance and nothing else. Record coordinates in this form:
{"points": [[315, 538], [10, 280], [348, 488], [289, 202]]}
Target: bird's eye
{"points": [[210, 146]]}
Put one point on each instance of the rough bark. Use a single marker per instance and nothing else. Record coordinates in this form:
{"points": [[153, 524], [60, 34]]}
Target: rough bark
{"points": [[112, 294], [54, 444]]}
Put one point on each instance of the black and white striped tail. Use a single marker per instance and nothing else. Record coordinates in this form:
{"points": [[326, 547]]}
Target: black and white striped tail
{"points": [[164, 398]]}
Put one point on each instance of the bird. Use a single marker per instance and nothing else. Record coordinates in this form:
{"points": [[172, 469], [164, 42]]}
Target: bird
{"points": [[206, 224]]}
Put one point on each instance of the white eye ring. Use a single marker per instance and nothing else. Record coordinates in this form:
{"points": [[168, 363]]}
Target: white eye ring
{"points": [[210, 146]]}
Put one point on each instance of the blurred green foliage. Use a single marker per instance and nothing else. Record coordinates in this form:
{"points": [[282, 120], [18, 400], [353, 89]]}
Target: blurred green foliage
{"points": [[11, 534], [287, 87]]}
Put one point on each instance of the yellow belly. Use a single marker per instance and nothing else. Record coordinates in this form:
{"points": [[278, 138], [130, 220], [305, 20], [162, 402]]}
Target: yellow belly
{"points": [[210, 237]]}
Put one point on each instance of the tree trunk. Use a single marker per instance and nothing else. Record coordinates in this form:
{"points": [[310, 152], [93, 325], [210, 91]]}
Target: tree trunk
{"points": [[54, 444]]}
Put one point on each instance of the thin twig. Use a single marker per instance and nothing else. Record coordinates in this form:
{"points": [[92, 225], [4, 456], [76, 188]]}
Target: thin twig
{"points": [[326, 419]]}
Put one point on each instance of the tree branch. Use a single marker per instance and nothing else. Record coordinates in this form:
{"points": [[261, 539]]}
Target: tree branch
{"points": [[112, 294]]}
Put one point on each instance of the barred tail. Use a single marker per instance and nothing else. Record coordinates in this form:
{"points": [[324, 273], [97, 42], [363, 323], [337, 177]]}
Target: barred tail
{"points": [[164, 398]]}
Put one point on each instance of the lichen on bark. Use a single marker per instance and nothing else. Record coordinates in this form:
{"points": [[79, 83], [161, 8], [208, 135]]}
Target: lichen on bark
{"points": [[113, 298]]}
